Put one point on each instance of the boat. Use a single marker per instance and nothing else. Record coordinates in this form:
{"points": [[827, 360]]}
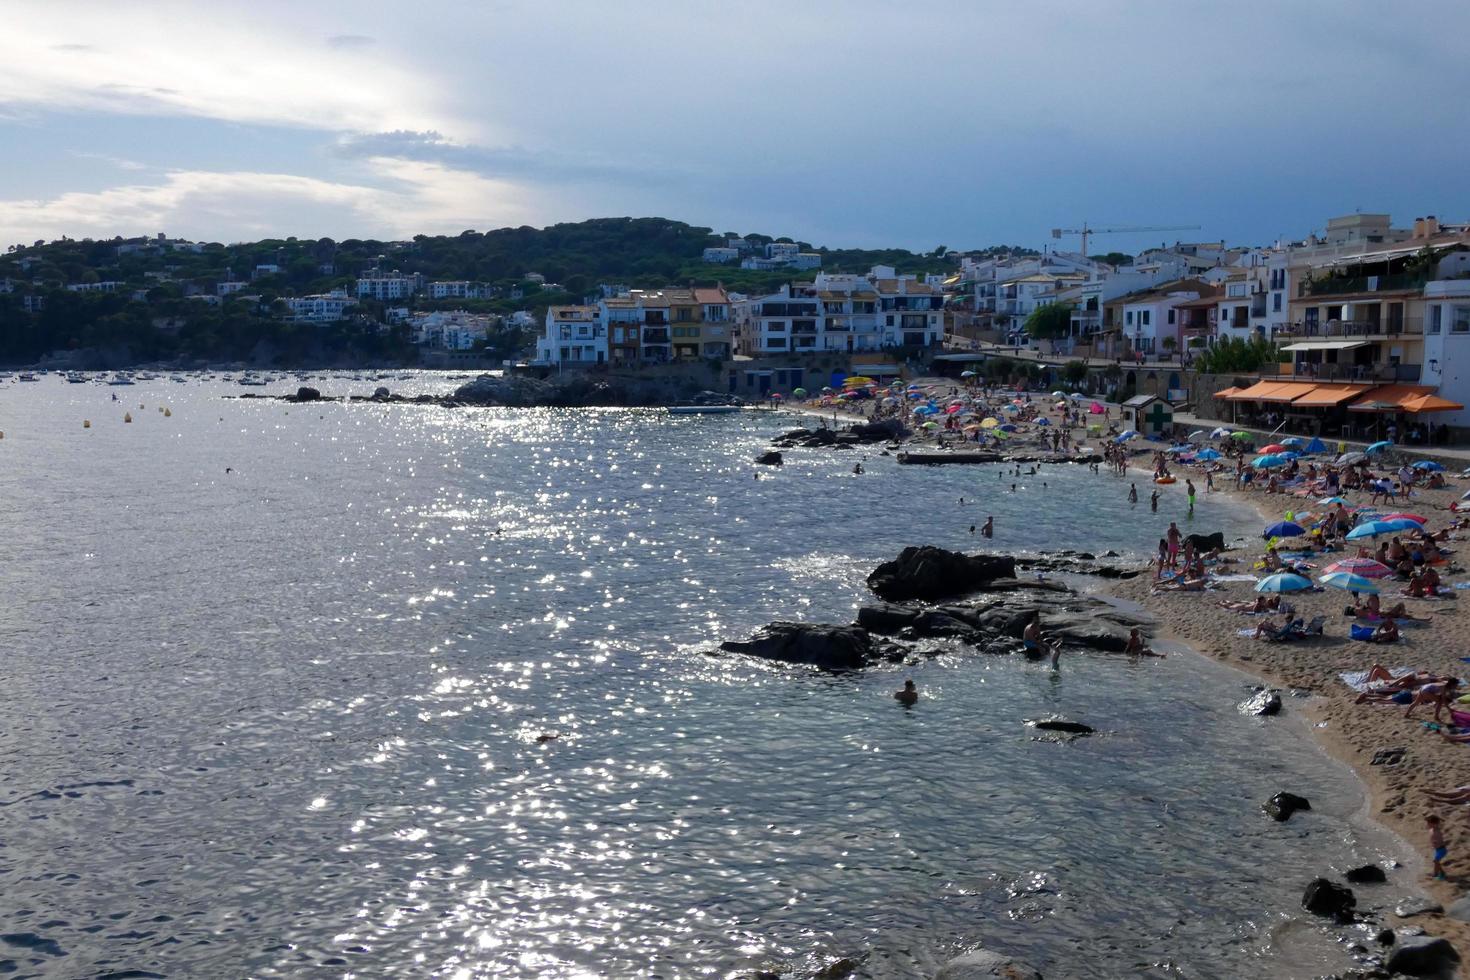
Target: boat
{"points": [[251, 379], [75, 378], [27, 377], [119, 379], [703, 409]]}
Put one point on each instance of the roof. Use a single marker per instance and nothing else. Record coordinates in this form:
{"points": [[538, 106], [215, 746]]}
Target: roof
{"points": [[710, 295], [1329, 395], [912, 286], [1262, 389], [1326, 345], [562, 311], [1203, 303], [1138, 401], [1227, 392]]}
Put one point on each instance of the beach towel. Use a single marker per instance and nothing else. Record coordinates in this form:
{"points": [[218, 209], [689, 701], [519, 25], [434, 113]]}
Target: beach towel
{"points": [[1242, 577], [1358, 679], [1356, 632]]}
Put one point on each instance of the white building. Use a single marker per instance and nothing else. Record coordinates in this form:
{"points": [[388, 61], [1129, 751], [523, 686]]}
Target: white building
{"points": [[385, 287], [574, 335], [718, 254], [760, 264], [912, 312], [458, 289], [228, 287], [1447, 345], [320, 308], [265, 269], [806, 260], [108, 286], [451, 329], [1151, 320], [33, 302], [842, 312], [785, 251]]}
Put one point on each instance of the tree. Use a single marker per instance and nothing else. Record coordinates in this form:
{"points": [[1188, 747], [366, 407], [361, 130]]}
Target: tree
{"points": [[1074, 371], [1050, 321]]}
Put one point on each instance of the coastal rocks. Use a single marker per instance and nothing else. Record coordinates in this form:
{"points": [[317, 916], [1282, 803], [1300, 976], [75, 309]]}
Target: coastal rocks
{"points": [[1262, 704], [1368, 874], [1092, 632], [837, 969], [1206, 542], [1423, 956], [305, 394], [1324, 898], [886, 619], [981, 964], [1062, 725], [1459, 909], [1411, 907], [930, 573], [1281, 806], [769, 458], [824, 646], [862, 433], [582, 389], [381, 394]]}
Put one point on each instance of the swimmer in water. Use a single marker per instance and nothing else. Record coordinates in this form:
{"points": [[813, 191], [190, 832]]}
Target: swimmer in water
{"points": [[908, 696], [1013, 488], [989, 529]]}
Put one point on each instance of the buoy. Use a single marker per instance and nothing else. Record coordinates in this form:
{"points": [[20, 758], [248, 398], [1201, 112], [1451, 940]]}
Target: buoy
{"points": [[160, 410], [127, 416], [141, 406], [168, 413], [86, 423]]}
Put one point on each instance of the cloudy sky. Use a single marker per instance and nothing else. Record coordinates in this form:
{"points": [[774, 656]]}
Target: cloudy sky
{"points": [[840, 122]]}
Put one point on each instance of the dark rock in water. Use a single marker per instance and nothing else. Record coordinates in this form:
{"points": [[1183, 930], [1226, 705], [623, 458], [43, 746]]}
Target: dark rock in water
{"points": [[1411, 907], [1384, 937], [837, 969], [1063, 725], [769, 458], [1424, 957], [885, 619], [1206, 542], [1088, 631], [1263, 704], [820, 645], [1368, 874], [305, 394], [1322, 897], [1283, 805], [934, 623], [381, 392], [931, 573], [984, 965]]}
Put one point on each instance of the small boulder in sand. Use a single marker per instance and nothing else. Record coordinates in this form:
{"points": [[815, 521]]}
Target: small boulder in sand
{"points": [[1423, 956], [1263, 704]]}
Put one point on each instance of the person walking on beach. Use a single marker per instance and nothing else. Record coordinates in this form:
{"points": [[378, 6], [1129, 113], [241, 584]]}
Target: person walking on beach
{"points": [[1189, 487], [1133, 495], [1173, 537], [1436, 844]]}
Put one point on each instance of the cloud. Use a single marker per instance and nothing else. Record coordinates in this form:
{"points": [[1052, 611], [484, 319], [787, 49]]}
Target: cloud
{"points": [[407, 198], [350, 41], [171, 61], [506, 161], [121, 163]]}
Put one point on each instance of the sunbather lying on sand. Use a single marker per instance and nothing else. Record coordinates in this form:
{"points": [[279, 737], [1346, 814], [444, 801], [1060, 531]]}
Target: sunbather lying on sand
{"points": [[1398, 689], [1260, 605], [1441, 695], [1460, 794]]}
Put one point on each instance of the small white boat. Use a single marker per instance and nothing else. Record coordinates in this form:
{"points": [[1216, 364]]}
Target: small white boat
{"points": [[119, 379], [703, 409], [75, 378], [27, 377], [251, 379]]}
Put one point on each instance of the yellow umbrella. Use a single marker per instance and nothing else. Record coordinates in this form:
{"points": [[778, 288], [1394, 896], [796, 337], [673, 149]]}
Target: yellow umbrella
{"points": [[989, 423], [858, 380]]}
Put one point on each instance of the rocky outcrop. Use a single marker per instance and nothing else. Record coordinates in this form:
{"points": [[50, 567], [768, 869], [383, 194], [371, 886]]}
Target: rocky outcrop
{"points": [[1423, 956], [1324, 898], [859, 434], [769, 458], [1368, 874], [1411, 907], [305, 394], [1206, 542], [1281, 806], [930, 573], [886, 620], [583, 388], [819, 645]]}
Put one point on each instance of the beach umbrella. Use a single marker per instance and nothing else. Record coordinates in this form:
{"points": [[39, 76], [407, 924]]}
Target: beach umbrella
{"points": [[1096, 409], [1219, 433], [826, 389], [799, 392], [930, 425], [776, 396], [1207, 454], [1349, 582], [1008, 427], [916, 394], [1284, 582], [989, 423], [1366, 567], [1289, 454], [1295, 442], [1002, 434], [1267, 462], [1399, 523], [1378, 447], [1274, 447], [857, 380], [967, 374], [1077, 396], [1406, 517], [1198, 435], [1125, 436], [1316, 446], [1009, 408], [1243, 436], [1043, 421], [1351, 459], [1284, 529], [1370, 529], [1429, 466], [1059, 394]]}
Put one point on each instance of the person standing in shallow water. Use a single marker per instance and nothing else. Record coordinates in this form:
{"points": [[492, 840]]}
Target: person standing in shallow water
{"points": [[1133, 495], [988, 530], [1189, 486]]}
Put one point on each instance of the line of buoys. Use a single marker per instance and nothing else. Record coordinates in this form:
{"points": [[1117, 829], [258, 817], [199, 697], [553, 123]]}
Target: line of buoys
{"points": [[127, 416], [86, 423]]}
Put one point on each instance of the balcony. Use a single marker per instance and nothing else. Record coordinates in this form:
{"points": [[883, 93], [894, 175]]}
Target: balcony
{"points": [[1344, 285], [1348, 329], [655, 335], [1383, 373]]}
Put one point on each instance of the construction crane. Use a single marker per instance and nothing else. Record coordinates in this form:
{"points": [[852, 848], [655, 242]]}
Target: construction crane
{"points": [[1086, 232]]}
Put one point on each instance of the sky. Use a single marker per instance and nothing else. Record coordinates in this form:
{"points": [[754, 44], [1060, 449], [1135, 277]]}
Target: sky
{"points": [[844, 123]]}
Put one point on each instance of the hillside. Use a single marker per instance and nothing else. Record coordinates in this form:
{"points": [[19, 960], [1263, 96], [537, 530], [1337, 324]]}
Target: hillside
{"points": [[161, 300]]}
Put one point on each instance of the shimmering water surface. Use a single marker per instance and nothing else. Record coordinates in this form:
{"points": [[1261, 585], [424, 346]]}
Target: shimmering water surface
{"points": [[285, 720]]}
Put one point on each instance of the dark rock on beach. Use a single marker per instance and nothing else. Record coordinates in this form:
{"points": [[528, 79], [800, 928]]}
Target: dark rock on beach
{"points": [[825, 646], [1368, 874], [1281, 806], [886, 619], [305, 394], [1263, 704], [861, 433], [1423, 956], [930, 573], [1324, 898], [1411, 907]]}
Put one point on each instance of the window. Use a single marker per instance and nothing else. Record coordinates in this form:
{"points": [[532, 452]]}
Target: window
{"points": [[1143, 317], [1436, 316], [1460, 320], [1275, 302], [1127, 318], [1171, 315], [890, 321]]}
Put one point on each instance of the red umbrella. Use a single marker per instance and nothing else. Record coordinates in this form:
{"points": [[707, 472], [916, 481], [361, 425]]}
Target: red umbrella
{"points": [[1407, 517], [1275, 447]]}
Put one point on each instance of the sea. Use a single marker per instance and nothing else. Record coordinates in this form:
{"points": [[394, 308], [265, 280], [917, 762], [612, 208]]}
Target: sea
{"points": [[353, 689]]}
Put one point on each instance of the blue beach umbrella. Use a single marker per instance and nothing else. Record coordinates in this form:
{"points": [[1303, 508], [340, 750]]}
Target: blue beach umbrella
{"points": [[1284, 529], [1043, 421], [1008, 427], [1127, 434], [967, 374], [1283, 582], [1349, 582], [1399, 524], [1294, 442], [1370, 529], [1289, 454], [1378, 447], [1267, 462], [1429, 466], [1316, 446], [1219, 433], [1207, 454]]}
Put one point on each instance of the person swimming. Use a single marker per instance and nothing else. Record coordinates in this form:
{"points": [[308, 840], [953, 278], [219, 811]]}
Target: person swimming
{"points": [[908, 696]]}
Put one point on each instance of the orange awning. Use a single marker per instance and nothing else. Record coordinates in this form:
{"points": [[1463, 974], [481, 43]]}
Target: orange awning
{"points": [[1287, 391], [1256, 392], [1228, 392], [1390, 398], [1328, 395], [1434, 403]]}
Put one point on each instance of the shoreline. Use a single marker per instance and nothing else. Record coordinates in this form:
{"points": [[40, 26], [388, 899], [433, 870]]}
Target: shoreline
{"points": [[1348, 733]]}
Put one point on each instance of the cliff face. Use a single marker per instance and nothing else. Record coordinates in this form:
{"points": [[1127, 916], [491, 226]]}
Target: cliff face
{"points": [[521, 391]]}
